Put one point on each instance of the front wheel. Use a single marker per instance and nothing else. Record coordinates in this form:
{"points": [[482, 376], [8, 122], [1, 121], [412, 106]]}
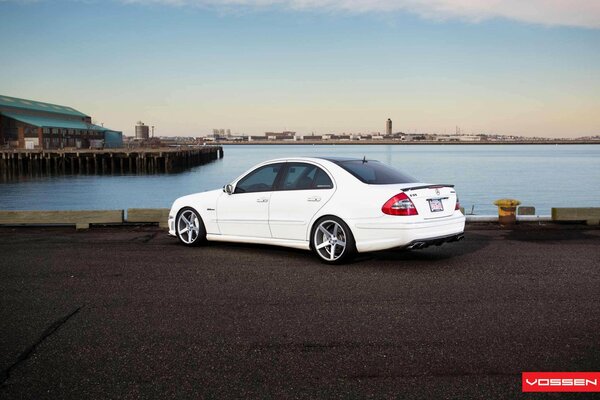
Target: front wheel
{"points": [[332, 240], [190, 228]]}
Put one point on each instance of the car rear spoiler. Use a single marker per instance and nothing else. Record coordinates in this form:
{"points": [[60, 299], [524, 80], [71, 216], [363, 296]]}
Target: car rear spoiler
{"points": [[427, 187]]}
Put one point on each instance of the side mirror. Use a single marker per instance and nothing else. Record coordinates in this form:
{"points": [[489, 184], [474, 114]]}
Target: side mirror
{"points": [[228, 188]]}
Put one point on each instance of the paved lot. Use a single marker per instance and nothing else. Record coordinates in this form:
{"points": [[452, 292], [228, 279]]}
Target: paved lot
{"points": [[129, 313]]}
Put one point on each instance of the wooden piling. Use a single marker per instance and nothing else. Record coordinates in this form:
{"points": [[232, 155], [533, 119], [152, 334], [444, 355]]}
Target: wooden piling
{"points": [[16, 163]]}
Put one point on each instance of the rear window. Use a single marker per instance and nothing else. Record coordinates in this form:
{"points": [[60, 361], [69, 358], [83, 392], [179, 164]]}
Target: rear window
{"points": [[375, 173]]}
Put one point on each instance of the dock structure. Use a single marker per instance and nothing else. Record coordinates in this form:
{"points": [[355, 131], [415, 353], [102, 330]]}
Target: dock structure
{"points": [[22, 163]]}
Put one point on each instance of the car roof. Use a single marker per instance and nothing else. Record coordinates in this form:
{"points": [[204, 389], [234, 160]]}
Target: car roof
{"points": [[340, 159], [315, 158]]}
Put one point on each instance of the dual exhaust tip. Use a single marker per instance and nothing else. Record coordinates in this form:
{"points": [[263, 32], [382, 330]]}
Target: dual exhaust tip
{"points": [[438, 242]]}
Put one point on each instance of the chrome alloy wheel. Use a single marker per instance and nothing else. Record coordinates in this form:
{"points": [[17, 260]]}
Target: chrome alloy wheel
{"points": [[330, 240], [188, 227]]}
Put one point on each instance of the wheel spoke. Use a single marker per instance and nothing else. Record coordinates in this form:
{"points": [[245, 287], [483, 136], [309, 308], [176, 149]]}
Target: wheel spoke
{"points": [[325, 231], [190, 234], [341, 244], [187, 221], [335, 230], [322, 245], [184, 230], [332, 252]]}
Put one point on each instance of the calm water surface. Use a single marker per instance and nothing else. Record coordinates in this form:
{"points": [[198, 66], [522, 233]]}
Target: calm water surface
{"points": [[543, 176]]}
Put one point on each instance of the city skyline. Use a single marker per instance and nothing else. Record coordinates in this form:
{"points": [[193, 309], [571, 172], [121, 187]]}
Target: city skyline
{"points": [[188, 67]]}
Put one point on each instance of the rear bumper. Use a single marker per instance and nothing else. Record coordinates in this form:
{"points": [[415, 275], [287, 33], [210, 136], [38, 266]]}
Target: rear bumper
{"points": [[389, 232]]}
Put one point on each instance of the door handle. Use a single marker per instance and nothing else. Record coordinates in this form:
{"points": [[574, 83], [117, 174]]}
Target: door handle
{"points": [[314, 198], [262, 200]]}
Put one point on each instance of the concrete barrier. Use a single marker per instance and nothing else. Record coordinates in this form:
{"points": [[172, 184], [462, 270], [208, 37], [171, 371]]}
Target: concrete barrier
{"points": [[520, 218], [81, 219], [525, 210], [591, 215], [149, 215]]}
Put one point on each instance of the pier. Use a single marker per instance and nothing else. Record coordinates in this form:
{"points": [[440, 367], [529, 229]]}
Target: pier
{"points": [[18, 163]]}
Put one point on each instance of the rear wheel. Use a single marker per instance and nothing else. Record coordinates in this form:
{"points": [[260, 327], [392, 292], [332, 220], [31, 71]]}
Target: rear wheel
{"points": [[190, 228], [332, 240]]}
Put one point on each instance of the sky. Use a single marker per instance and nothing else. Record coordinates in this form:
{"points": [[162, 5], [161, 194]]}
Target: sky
{"points": [[511, 67]]}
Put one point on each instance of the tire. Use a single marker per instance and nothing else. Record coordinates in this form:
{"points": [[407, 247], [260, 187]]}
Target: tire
{"points": [[189, 227], [332, 241]]}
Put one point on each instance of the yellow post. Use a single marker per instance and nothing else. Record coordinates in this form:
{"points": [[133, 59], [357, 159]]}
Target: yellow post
{"points": [[507, 210]]}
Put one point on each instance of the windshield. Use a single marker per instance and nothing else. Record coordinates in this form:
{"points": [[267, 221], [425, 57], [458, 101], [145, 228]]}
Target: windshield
{"points": [[375, 173]]}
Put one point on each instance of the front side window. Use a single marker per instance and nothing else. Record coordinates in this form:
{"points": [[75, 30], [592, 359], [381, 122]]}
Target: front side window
{"points": [[300, 176], [260, 180], [375, 173]]}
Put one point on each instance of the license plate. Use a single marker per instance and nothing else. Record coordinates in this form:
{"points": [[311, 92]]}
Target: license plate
{"points": [[435, 205]]}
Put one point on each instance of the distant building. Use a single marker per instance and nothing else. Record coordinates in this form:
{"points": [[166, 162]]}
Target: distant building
{"points": [[469, 138], [256, 138], [446, 138], [415, 136], [341, 137], [32, 124], [142, 132], [221, 134], [285, 135], [388, 127]]}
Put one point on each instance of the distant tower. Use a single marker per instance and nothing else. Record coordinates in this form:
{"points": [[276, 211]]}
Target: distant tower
{"points": [[141, 131], [388, 127]]}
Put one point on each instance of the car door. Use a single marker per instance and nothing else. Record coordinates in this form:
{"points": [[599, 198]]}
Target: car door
{"points": [[302, 191], [245, 212]]}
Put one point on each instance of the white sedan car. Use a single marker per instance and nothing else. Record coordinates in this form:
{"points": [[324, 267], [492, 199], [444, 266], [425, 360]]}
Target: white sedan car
{"points": [[335, 207]]}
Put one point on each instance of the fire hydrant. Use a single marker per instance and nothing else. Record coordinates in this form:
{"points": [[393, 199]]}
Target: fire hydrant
{"points": [[507, 210]]}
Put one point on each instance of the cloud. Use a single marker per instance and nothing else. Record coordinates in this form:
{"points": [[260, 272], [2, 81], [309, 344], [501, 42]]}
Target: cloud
{"points": [[577, 13]]}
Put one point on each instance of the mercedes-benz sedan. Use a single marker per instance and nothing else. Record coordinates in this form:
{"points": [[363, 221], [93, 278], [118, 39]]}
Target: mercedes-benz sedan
{"points": [[336, 207]]}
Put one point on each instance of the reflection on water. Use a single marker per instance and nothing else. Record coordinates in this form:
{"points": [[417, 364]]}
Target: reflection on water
{"points": [[539, 175]]}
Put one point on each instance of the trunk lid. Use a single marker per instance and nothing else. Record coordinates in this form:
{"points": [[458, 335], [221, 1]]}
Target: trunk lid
{"points": [[432, 201]]}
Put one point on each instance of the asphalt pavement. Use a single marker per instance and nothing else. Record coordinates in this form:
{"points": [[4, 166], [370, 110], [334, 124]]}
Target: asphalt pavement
{"points": [[130, 313]]}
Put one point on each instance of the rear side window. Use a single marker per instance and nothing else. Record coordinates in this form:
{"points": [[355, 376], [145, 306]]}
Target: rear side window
{"points": [[300, 176], [375, 173], [322, 180]]}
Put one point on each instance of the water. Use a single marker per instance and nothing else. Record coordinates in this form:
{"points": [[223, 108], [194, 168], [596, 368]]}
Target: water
{"points": [[542, 176]]}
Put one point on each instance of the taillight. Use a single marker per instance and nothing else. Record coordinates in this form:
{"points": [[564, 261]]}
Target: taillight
{"points": [[400, 204], [457, 207]]}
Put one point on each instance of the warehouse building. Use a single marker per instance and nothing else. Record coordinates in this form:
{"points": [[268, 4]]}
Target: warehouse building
{"points": [[30, 124]]}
